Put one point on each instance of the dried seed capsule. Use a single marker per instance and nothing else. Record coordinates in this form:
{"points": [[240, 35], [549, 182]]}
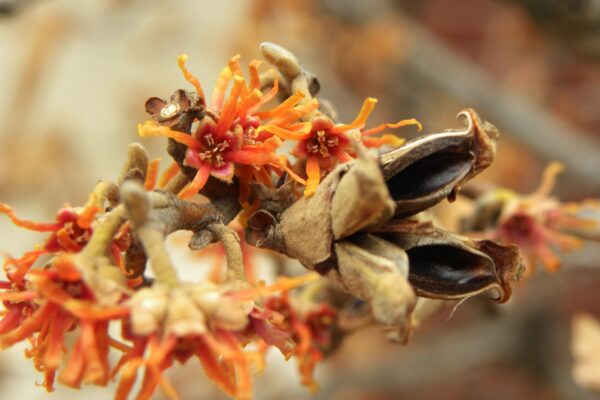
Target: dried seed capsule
{"points": [[444, 265], [322, 232], [428, 169]]}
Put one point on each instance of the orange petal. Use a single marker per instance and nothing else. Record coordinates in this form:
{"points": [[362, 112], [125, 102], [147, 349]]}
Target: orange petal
{"points": [[399, 124], [549, 259], [282, 108], [342, 156], [218, 95], [87, 216], [17, 296], [252, 157], [152, 174], [283, 132], [213, 368], [254, 76], [250, 101], [72, 373], [281, 285], [197, 184], [34, 226], [266, 97], [296, 113], [313, 172], [389, 140], [228, 113], [29, 326], [181, 60], [169, 173], [548, 179], [361, 118], [66, 242], [21, 265], [152, 129], [128, 378]]}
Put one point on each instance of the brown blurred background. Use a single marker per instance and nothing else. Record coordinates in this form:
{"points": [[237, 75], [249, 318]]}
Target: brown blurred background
{"points": [[74, 77]]}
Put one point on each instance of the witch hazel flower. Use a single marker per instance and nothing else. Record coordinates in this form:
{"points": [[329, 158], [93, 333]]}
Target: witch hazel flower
{"points": [[208, 321], [538, 223], [69, 233], [326, 144], [227, 134], [52, 302]]}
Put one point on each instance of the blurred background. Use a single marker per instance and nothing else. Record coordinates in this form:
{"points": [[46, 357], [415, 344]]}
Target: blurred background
{"points": [[74, 77]]}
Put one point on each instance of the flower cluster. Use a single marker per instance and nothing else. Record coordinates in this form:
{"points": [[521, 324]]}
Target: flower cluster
{"points": [[233, 137], [356, 217]]}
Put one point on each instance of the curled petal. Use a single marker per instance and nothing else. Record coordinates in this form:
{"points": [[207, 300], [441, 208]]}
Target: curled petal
{"points": [[34, 226], [283, 108], [197, 183], [152, 129], [181, 60], [313, 172], [361, 118], [399, 124], [389, 140]]}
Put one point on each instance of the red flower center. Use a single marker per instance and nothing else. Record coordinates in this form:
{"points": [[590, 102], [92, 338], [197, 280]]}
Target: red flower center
{"points": [[212, 151], [322, 143]]}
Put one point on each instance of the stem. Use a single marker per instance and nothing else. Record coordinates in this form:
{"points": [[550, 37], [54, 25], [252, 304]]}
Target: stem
{"points": [[153, 241], [233, 250], [101, 238]]}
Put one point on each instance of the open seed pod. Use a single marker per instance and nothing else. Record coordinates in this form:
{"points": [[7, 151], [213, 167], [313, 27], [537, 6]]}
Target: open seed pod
{"points": [[444, 265], [430, 168]]}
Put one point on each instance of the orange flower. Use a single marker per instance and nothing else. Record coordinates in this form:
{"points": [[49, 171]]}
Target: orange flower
{"points": [[535, 223], [311, 330], [69, 234], [208, 321], [326, 143], [59, 301], [227, 135]]}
